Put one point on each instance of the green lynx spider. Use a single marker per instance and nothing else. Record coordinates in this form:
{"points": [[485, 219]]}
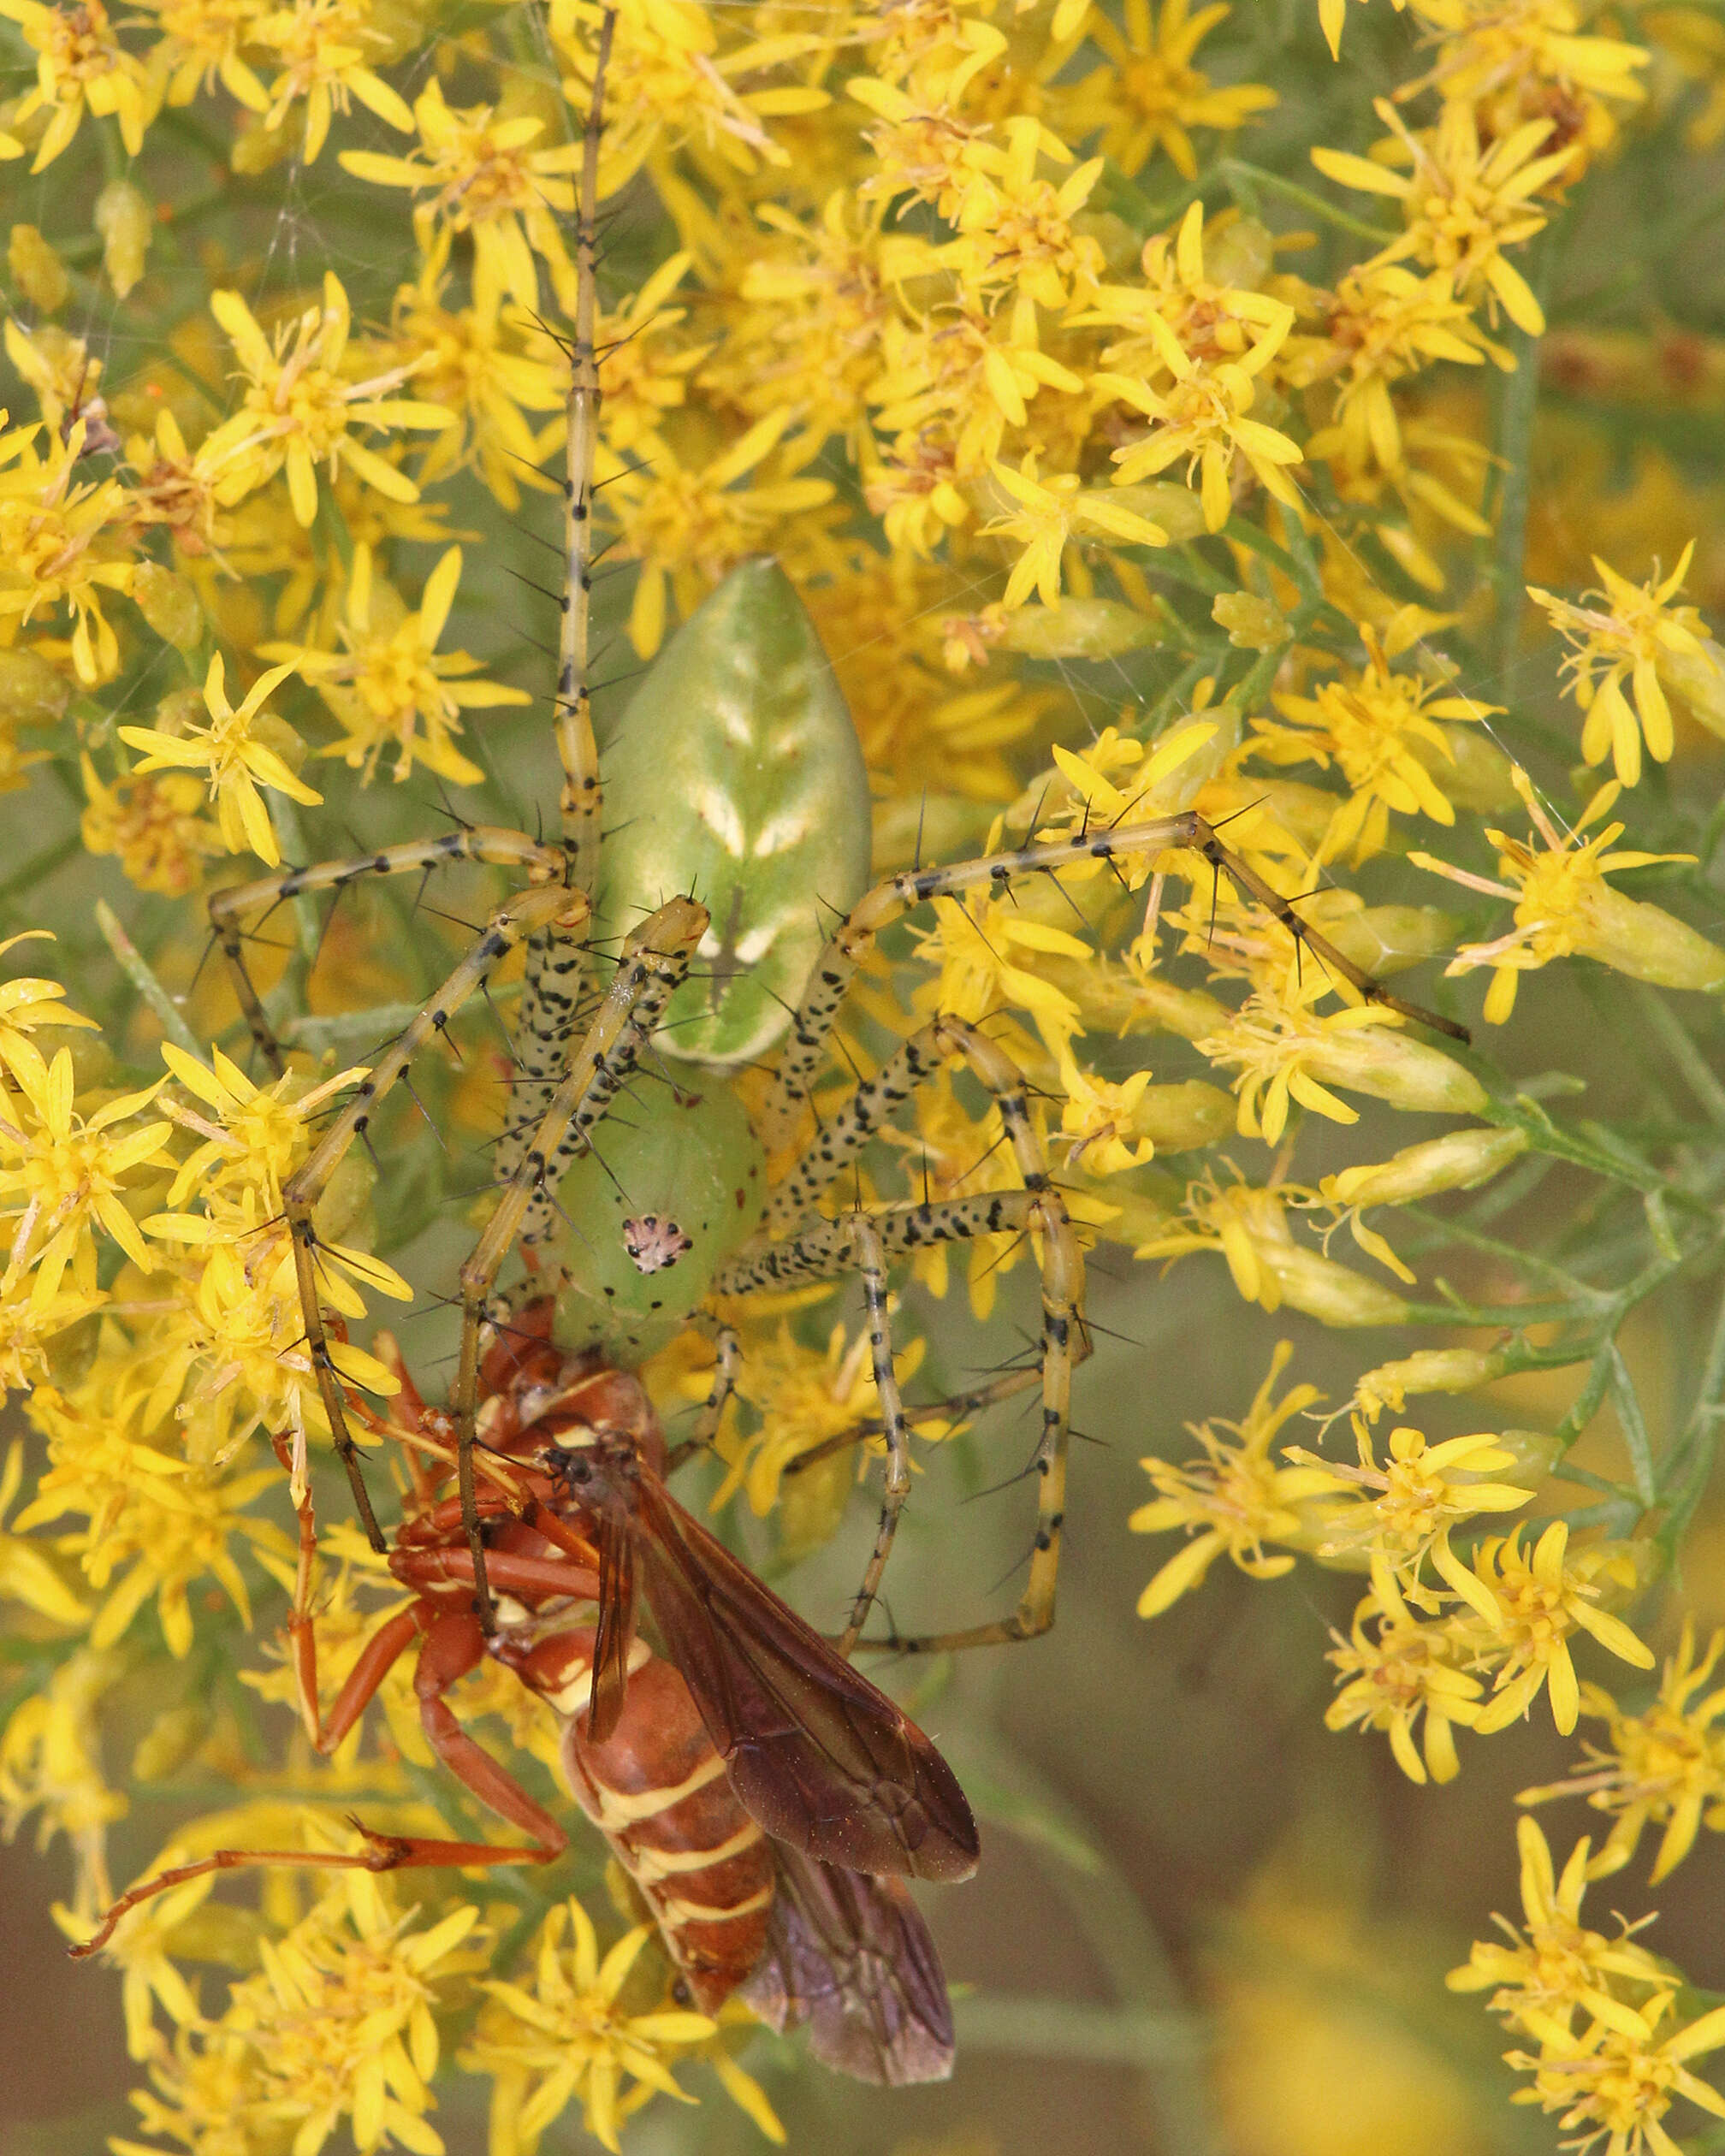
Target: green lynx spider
{"points": [[575, 1050]]}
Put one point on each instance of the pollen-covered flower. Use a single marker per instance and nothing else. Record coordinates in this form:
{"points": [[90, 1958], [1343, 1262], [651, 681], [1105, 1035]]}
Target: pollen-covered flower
{"points": [[63, 543], [300, 407], [1399, 1672], [1555, 1965], [81, 66], [323, 51], [1531, 1603], [490, 180], [1620, 2076], [1625, 637], [393, 689], [560, 2034], [1565, 908], [1385, 733], [1463, 205], [1052, 512], [63, 1175], [800, 1398], [230, 749], [1286, 1051], [338, 2023], [1406, 1506], [1150, 95], [1248, 1224], [1236, 1498], [687, 527], [1665, 1768], [153, 827], [1201, 417]]}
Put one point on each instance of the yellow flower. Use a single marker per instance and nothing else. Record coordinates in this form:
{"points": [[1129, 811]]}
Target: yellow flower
{"points": [[338, 2023], [1201, 417], [1017, 231], [491, 185], [977, 942], [1422, 1491], [1284, 1050], [1463, 206], [1098, 1121], [1235, 1499], [1052, 511], [79, 66], [801, 1397], [1663, 1767], [27, 1575], [299, 408], [686, 528], [158, 1523], [1625, 637], [1565, 908], [1557, 1965], [322, 47], [262, 1134], [63, 1179], [392, 688], [152, 823], [1247, 1225], [50, 1761], [1531, 1604], [1393, 1670], [236, 761], [1383, 731], [1150, 94], [26, 1003], [562, 2035], [60, 544], [200, 46], [1620, 2077]]}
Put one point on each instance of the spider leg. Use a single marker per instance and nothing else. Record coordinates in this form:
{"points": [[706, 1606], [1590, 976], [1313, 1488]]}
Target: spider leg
{"points": [[655, 958], [551, 992], [817, 1247], [833, 971], [477, 842], [724, 1375], [506, 927]]}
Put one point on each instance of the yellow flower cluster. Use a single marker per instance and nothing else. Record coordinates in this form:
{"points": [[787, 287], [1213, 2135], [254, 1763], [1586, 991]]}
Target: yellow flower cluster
{"points": [[1124, 477]]}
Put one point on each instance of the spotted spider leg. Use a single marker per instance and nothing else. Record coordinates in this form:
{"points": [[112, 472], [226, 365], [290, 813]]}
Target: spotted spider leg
{"points": [[552, 992], [829, 980], [655, 960], [796, 1245], [816, 1247], [509, 926], [542, 865]]}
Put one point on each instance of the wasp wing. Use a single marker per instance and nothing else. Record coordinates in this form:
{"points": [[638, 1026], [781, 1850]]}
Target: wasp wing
{"points": [[817, 1755], [616, 1627], [851, 1957]]}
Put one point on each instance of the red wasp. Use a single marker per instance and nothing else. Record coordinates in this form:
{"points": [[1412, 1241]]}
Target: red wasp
{"points": [[762, 1793]]}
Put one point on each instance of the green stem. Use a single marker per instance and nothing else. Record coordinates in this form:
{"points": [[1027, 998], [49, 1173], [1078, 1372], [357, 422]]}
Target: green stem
{"points": [[136, 968], [1699, 1073], [1250, 175], [1032, 2028]]}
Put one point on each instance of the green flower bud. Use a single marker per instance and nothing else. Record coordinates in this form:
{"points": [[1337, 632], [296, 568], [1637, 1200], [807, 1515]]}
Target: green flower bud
{"points": [[1252, 624], [1647, 942], [170, 1741], [1698, 676], [1443, 1369], [1081, 628], [1461, 1161], [32, 693], [1175, 1118], [124, 219], [37, 270], [170, 603], [1326, 1291], [1178, 509], [1243, 254], [1393, 1066]]}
